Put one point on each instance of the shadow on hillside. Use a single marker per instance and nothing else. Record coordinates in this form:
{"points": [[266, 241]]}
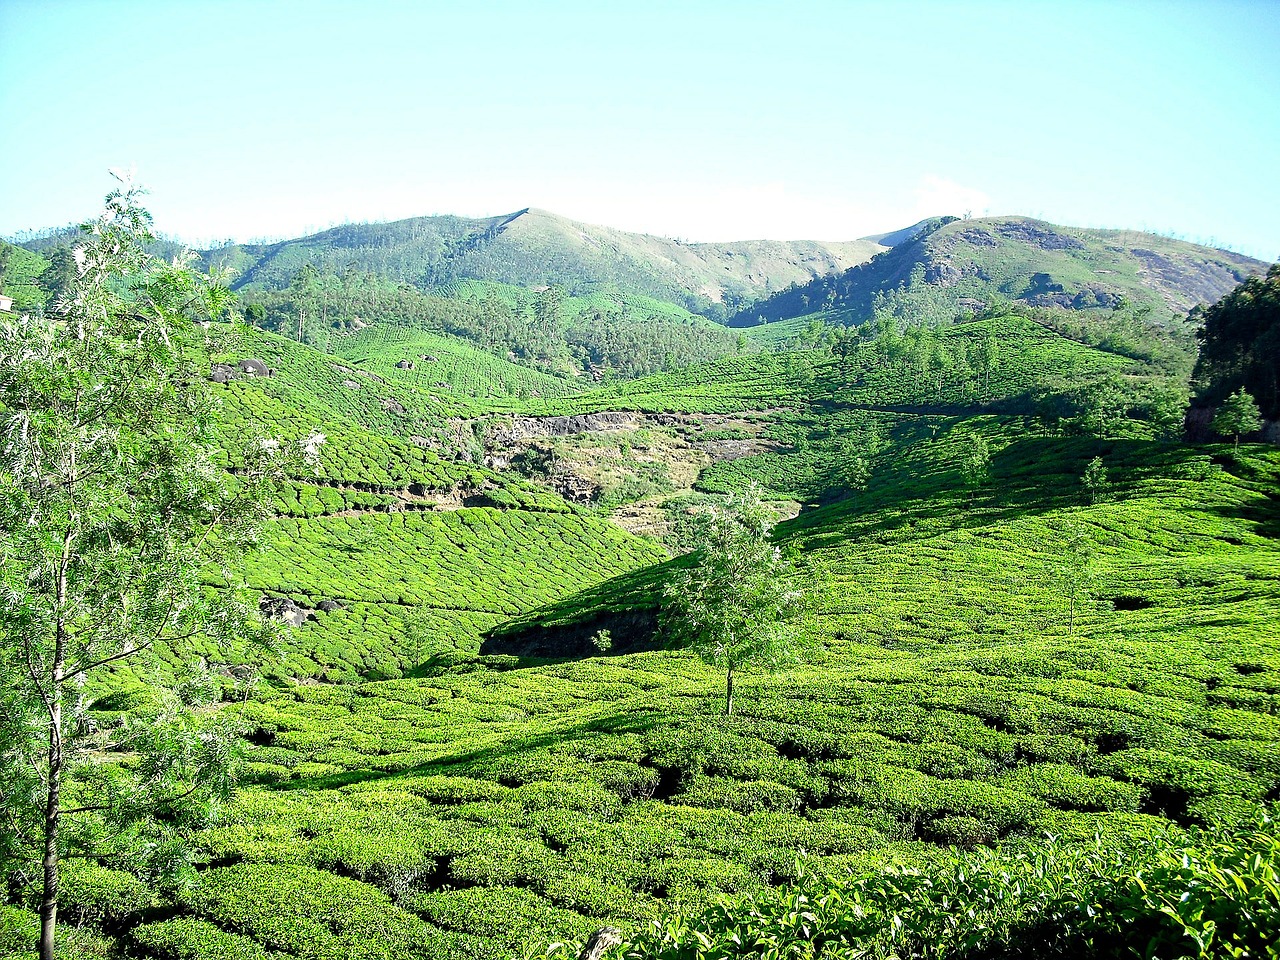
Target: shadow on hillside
{"points": [[612, 618], [636, 720]]}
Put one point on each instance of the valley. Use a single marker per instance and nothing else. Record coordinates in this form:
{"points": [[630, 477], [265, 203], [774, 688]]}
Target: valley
{"points": [[1039, 621]]}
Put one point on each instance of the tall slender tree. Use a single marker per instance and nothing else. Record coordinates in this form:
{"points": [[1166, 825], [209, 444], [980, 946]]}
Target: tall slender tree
{"points": [[110, 512]]}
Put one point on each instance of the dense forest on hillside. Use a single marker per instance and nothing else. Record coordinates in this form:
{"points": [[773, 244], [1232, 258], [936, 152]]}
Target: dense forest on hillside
{"points": [[625, 335], [356, 639]]}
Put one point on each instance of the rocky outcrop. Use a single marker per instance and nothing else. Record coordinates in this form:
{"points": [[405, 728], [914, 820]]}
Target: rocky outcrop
{"points": [[526, 428], [600, 943], [285, 610], [249, 367], [1038, 235]]}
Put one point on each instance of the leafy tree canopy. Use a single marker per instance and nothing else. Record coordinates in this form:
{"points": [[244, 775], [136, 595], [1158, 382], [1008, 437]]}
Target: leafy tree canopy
{"points": [[1240, 345], [737, 605]]}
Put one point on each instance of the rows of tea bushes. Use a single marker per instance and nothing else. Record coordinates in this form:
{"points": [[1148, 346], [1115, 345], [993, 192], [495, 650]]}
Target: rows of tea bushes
{"points": [[459, 572], [349, 454], [992, 655], [1207, 894], [866, 373], [750, 382], [325, 386], [466, 371], [944, 700]]}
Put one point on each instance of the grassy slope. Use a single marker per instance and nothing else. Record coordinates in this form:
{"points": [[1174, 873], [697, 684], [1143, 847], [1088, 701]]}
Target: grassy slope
{"points": [[477, 805], [977, 259], [535, 247]]}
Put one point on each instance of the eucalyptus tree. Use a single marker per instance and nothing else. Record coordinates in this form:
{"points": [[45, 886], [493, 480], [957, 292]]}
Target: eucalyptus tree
{"points": [[113, 517]]}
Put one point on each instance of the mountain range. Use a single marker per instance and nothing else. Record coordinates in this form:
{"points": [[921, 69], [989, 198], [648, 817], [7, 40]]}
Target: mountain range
{"points": [[532, 247]]}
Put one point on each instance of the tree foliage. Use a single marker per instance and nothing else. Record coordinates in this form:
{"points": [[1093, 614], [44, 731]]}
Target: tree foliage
{"points": [[1240, 345], [1238, 415], [737, 605], [110, 509]]}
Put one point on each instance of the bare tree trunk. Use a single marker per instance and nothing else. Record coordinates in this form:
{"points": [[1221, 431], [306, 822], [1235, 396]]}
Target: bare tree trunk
{"points": [[728, 693], [600, 942], [52, 807], [49, 902]]}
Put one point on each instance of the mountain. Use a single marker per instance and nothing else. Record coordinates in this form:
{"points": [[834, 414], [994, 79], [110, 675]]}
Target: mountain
{"points": [[533, 247], [895, 237], [948, 265], [470, 743]]}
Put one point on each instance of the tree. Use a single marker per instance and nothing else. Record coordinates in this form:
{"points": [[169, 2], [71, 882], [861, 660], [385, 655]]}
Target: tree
{"points": [[737, 605], [1237, 415], [988, 358], [1240, 344], [1073, 568], [1094, 481], [110, 512], [256, 314], [975, 463]]}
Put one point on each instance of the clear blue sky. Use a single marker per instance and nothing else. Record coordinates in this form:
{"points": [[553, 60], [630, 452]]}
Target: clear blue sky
{"points": [[702, 120]]}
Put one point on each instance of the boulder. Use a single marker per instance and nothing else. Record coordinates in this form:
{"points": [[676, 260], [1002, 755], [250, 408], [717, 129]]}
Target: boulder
{"points": [[284, 609], [255, 368]]}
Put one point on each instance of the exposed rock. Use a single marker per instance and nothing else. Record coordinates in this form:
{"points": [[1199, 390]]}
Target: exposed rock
{"points": [[976, 237], [575, 488], [1038, 235], [284, 609], [524, 428], [404, 365], [395, 406], [221, 372], [328, 606], [249, 367], [1094, 296], [600, 942], [1063, 300], [351, 384], [255, 368]]}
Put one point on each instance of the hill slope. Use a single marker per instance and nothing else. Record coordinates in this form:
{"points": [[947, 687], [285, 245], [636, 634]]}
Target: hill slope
{"points": [[947, 265], [533, 247]]}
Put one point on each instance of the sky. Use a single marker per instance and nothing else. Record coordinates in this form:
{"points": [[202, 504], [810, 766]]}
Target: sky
{"points": [[812, 119]]}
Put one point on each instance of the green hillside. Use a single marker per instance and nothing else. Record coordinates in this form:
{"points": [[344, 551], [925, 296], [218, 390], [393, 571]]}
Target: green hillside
{"points": [[948, 265], [533, 247], [1040, 640], [946, 703]]}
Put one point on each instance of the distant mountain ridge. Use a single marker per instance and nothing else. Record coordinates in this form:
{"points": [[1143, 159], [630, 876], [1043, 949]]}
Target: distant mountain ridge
{"points": [[956, 263], [532, 247]]}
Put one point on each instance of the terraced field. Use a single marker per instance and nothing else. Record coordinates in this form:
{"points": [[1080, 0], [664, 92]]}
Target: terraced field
{"points": [[944, 700], [449, 758], [457, 375]]}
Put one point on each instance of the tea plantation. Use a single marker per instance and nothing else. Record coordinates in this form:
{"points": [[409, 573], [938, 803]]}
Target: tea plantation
{"points": [[1018, 696]]}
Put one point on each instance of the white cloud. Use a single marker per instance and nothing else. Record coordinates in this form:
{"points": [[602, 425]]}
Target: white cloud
{"points": [[939, 197]]}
